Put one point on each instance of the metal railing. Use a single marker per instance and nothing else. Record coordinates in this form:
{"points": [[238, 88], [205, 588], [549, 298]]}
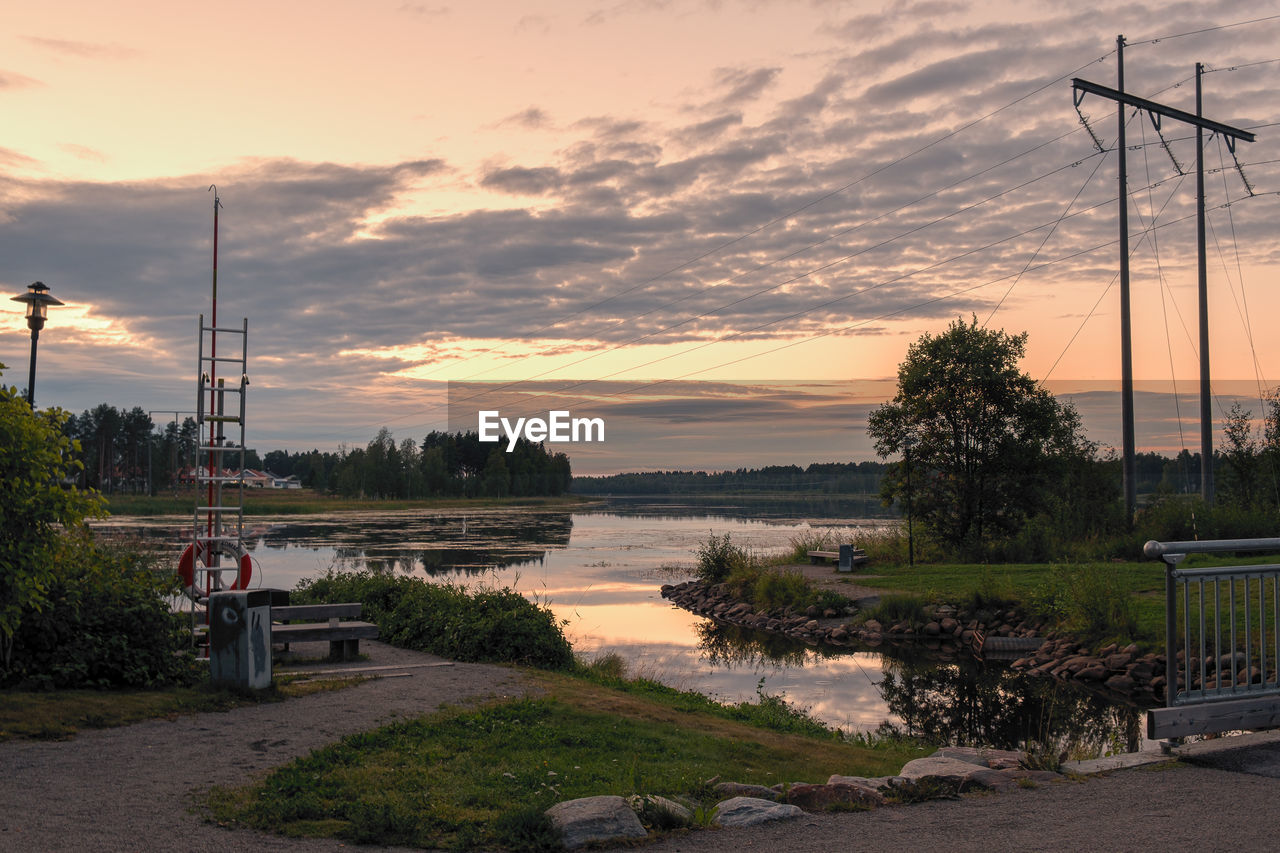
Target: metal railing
{"points": [[1222, 624]]}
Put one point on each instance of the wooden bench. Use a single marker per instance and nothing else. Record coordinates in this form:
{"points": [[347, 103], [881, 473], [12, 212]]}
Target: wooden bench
{"points": [[323, 622], [859, 557]]}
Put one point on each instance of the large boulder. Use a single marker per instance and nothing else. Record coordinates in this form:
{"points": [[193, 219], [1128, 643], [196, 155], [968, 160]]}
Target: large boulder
{"points": [[817, 798], [738, 789], [750, 811], [595, 819]]}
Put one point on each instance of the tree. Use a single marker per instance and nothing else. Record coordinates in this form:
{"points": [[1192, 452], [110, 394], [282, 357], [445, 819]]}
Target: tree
{"points": [[1241, 453], [36, 506], [985, 439]]}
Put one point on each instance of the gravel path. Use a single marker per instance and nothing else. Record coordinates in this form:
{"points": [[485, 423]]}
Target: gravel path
{"points": [[133, 787]]}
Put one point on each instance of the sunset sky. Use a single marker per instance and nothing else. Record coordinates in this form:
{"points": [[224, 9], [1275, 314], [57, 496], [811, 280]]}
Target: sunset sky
{"points": [[621, 191]]}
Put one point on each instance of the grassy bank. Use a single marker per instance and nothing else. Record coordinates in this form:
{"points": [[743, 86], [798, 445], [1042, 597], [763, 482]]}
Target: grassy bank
{"points": [[305, 501], [60, 714], [481, 778]]}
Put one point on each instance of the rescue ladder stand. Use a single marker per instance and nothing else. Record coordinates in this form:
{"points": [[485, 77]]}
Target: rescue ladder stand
{"points": [[217, 545]]}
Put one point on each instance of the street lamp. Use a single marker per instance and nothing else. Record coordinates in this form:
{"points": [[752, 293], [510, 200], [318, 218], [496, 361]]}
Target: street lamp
{"points": [[38, 301], [907, 443]]}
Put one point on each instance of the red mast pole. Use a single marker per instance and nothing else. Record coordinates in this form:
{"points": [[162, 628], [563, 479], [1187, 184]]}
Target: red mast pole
{"points": [[213, 374]]}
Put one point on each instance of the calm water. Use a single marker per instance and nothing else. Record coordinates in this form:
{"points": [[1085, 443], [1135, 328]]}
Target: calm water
{"points": [[601, 569]]}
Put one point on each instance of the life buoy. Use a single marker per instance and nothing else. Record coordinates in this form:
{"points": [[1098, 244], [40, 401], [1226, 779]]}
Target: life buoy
{"points": [[187, 568]]}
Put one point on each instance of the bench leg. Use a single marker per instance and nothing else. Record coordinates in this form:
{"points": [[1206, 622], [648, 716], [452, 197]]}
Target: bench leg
{"points": [[344, 650]]}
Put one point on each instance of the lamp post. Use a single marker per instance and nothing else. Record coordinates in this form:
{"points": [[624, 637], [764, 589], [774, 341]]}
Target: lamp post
{"points": [[907, 443], [38, 301]]}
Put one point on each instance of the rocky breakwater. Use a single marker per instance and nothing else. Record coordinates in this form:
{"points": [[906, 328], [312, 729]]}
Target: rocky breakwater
{"points": [[941, 627], [1122, 670]]}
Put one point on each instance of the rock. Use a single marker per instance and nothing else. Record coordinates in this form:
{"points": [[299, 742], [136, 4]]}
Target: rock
{"points": [[948, 625], [1097, 672], [864, 781], [595, 819], [950, 770], [652, 802], [750, 811], [816, 798], [932, 629], [871, 626], [1118, 661], [997, 759], [1120, 683], [735, 789]]}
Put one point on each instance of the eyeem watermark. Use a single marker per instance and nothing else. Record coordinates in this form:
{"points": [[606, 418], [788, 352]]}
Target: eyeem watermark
{"points": [[558, 428]]}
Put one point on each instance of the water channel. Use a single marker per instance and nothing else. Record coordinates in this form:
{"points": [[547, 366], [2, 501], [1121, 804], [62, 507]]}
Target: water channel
{"points": [[601, 568]]}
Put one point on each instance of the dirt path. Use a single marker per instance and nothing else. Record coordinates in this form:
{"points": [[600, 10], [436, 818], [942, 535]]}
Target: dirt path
{"points": [[133, 788], [824, 576]]}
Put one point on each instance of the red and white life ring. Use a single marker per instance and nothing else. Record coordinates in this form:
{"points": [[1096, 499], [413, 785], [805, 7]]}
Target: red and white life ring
{"points": [[242, 566]]}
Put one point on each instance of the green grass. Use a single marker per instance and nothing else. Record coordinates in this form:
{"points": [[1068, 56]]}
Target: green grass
{"points": [[60, 714], [305, 501], [480, 777], [1098, 602]]}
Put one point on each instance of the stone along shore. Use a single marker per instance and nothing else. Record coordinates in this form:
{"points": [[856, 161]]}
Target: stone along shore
{"points": [[948, 630]]}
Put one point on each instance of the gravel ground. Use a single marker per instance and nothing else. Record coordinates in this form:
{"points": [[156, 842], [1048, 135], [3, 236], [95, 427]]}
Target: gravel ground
{"points": [[136, 787]]}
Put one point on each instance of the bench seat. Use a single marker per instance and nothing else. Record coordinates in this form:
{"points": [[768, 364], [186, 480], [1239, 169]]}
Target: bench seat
{"points": [[337, 623]]}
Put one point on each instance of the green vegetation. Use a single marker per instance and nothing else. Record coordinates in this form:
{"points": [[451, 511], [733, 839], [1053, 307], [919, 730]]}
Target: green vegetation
{"points": [[481, 778], [122, 451], [818, 478], [718, 558], [752, 579], [986, 449], [447, 620], [1097, 602], [105, 622], [36, 510], [60, 714]]}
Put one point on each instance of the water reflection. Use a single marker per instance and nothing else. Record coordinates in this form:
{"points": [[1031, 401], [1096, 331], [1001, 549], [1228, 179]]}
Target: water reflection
{"points": [[971, 703], [954, 700]]}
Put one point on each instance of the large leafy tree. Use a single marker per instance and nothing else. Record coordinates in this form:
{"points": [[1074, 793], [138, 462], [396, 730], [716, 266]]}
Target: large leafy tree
{"points": [[37, 503], [986, 442]]}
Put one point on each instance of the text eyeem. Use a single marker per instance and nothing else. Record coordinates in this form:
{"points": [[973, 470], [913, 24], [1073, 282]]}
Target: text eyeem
{"points": [[558, 428]]}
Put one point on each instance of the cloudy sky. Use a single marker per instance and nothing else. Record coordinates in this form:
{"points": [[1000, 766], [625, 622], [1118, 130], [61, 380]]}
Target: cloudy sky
{"points": [[638, 191]]}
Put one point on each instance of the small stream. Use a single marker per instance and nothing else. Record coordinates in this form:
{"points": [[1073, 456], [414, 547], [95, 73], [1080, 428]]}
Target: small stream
{"points": [[601, 569]]}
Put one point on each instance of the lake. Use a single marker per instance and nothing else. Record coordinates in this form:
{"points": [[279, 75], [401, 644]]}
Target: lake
{"points": [[601, 568]]}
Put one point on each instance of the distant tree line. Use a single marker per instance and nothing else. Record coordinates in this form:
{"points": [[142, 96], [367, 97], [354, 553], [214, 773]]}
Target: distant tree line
{"points": [[449, 464], [123, 451], [816, 478]]}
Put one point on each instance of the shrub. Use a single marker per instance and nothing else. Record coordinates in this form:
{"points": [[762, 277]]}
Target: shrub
{"points": [[718, 557], [498, 625], [35, 508], [106, 622], [1087, 601], [898, 608]]}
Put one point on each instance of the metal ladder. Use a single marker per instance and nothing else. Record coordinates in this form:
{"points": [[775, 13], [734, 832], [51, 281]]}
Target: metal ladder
{"points": [[218, 521]]}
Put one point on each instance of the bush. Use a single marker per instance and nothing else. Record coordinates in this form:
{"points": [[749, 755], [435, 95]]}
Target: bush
{"points": [[1088, 602], [35, 508], [498, 625], [106, 622], [899, 607], [718, 557]]}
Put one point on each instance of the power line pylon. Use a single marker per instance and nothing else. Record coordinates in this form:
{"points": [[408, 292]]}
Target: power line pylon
{"points": [[1231, 134]]}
